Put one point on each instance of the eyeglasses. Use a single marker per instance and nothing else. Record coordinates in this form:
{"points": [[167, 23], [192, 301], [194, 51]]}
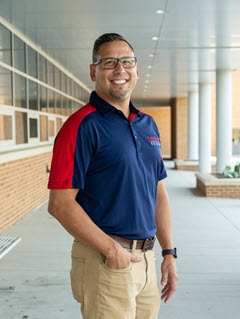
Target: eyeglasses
{"points": [[111, 63]]}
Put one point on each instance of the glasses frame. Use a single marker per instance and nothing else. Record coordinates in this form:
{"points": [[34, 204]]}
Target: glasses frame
{"points": [[118, 60]]}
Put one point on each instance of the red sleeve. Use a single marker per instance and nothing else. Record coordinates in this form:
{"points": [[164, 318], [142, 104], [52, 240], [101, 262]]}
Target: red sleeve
{"points": [[62, 165]]}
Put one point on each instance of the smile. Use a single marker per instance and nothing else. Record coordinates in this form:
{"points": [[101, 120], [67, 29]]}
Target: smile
{"points": [[119, 81]]}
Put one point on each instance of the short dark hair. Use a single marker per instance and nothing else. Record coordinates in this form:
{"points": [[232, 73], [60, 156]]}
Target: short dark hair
{"points": [[107, 37]]}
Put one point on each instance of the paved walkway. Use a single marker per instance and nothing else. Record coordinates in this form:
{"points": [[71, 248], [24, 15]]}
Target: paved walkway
{"points": [[34, 275]]}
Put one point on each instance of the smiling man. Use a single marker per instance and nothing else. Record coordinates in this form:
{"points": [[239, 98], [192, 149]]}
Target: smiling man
{"points": [[106, 190], [115, 79]]}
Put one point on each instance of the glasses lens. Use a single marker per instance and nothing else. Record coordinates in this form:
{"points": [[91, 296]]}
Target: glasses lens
{"points": [[128, 62], [109, 63]]}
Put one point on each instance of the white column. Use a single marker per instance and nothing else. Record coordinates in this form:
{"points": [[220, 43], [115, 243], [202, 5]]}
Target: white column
{"points": [[193, 125], [223, 119], [205, 128]]}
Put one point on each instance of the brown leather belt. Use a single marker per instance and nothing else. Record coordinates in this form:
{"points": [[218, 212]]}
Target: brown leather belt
{"points": [[144, 245]]}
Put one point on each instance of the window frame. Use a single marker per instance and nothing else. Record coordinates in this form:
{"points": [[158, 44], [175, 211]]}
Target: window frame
{"points": [[63, 86], [10, 112], [33, 115]]}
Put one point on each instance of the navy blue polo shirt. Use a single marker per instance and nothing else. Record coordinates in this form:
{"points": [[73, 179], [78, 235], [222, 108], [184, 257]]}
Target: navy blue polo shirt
{"points": [[115, 163]]}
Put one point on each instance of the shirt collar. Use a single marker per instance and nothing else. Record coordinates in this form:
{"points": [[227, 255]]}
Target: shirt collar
{"points": [[104, 108]]}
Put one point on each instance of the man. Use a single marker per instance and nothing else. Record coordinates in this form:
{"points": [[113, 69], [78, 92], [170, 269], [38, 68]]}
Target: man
{"points": [[107, 192]]}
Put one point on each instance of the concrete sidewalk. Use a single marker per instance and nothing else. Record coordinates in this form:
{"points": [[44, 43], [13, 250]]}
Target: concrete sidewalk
{"points": [[34, 275]]}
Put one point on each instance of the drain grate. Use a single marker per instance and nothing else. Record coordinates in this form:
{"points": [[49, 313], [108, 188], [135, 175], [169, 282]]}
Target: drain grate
{"points": [[7, 243]]}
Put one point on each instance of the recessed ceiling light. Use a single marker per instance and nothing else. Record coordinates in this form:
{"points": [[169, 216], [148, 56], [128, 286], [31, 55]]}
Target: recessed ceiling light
{"points": [[151, 55], [154, 38], [148, 74], [160, 12], [150, 66]]}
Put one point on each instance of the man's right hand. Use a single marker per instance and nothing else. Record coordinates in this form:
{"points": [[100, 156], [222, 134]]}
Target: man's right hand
{"points": [[121, 258]]}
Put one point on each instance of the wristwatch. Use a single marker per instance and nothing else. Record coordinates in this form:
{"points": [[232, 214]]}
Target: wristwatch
{"points": [[170, 252]]}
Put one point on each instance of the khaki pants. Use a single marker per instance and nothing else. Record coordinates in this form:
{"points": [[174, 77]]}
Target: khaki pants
{"points": [[104, 293]]}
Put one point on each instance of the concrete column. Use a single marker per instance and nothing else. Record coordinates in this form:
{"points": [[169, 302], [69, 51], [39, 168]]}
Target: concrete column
{"points": [[193, 125], [223, 119], [205, 128]]}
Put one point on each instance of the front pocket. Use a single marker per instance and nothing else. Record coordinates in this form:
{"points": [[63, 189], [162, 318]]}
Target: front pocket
{"points": [[117, 288], [78, 275], [126, 269]]}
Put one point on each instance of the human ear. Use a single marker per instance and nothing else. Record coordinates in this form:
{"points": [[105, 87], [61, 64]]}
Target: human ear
{"points": [[92, 72]]}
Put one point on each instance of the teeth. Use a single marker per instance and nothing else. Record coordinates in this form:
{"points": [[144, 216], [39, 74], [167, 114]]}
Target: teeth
{"points": [[120, 81]]}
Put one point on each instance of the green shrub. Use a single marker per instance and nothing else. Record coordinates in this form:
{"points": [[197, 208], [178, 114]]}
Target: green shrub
{"points": [[232, 173]]}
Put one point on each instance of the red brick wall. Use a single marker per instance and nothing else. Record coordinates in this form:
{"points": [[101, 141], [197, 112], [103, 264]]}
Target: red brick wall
{"points": [[219, 191], [181, 128], [23, 187], [162, 117]]}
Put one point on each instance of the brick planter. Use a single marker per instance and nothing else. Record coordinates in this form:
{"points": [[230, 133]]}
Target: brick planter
{"points": [[189, 165], [211, 186]]}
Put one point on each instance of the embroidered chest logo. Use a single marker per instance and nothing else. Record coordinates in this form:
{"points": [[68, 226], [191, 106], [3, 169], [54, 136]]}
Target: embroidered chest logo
{"points": [[153, 140]]}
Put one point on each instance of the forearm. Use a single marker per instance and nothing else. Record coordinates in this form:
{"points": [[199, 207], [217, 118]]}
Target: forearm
{"points": [[164, 234], [73, 218], [163, 219]]}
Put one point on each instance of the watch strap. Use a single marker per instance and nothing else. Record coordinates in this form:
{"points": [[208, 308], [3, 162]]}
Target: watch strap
{"points": [[170, 252]]}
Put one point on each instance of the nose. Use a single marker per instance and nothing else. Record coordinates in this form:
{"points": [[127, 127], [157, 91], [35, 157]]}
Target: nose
{"points": [[119, 67]]}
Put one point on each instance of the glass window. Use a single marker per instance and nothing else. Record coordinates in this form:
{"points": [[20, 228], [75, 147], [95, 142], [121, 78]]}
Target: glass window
{"points": [[42, 69], [19, 54], [64, 106], [57, 77], [5, 45], [63, 83], [74, 87], [50, 73], [32, 62], [43, 99], [51, 101], [5, 86], [80, 93], [21, 127], [33, 95], [58, 103], [43, 128], [69, 102], [68, 85], [5, 127], [20, 91], [33, 126]]}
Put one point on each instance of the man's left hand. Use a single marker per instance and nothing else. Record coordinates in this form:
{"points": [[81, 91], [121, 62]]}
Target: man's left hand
{"points": [[169, 277]]}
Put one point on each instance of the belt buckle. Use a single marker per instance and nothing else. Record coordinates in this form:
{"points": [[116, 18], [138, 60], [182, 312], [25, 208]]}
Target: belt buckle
{"points": [[148, 244]]}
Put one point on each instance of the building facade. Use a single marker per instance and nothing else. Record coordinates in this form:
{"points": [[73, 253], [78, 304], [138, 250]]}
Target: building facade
{"points": [[37, 94]]}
